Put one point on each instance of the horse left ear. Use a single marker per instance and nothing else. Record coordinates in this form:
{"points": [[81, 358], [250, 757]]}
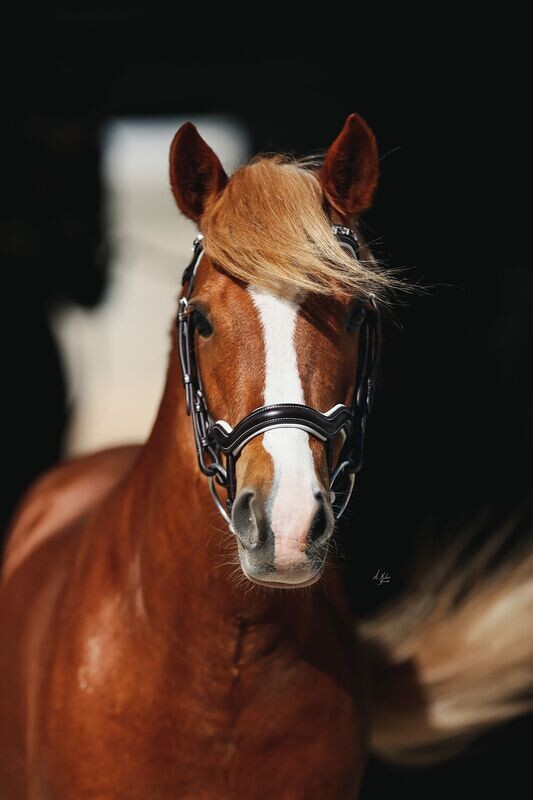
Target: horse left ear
{"points": [[350, 172], [196, 175]]}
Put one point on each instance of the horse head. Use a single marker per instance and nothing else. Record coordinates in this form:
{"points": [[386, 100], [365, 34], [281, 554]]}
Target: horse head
{"points": [[275, 324]]}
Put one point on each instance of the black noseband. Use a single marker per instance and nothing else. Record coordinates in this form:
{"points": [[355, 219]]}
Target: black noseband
{"points": [[215, 438]]}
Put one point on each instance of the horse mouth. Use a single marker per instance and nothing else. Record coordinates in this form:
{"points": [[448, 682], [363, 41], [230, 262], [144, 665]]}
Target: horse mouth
{"points": [[285, 584]]}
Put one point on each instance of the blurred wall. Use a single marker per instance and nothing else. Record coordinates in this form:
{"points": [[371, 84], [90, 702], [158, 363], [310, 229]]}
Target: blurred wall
{"points": [[116, 355]]}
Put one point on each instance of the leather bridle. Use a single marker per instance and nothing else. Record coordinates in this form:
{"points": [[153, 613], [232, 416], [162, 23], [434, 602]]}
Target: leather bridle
{"points": [[214, 439]]}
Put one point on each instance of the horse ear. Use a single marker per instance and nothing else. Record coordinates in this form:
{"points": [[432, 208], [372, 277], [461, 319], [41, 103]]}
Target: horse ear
{"points": [[351, 168], [196, 174]]}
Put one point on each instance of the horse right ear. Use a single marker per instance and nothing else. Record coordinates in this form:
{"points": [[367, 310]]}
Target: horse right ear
{"points": [[196, 174], [351, 168]]}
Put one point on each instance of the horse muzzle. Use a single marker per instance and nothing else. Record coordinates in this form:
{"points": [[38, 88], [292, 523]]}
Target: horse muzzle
{"points": [[282, 545]]}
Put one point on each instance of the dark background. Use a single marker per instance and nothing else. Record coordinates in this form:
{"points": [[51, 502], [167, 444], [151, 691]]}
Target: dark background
{"points": [[449, 101]]}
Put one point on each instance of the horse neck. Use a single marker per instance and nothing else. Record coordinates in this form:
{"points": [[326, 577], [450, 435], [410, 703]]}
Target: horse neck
{"points": [[184, 557]]}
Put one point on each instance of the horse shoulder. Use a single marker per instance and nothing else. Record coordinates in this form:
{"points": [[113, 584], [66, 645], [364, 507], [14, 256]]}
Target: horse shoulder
{"points": [[61, 497]]}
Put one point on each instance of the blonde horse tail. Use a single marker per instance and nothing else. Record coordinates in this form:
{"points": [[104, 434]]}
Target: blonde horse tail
{"points": [[454, 657]]}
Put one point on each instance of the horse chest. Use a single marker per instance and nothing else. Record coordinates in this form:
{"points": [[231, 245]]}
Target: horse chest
{"points": [[283, 730], [280, 726]]}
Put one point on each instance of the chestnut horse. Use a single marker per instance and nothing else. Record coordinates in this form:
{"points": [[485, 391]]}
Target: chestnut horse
{"points": [[150, 650]]}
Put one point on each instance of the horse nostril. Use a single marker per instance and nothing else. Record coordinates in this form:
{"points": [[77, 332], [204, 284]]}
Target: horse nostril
{"points": [[320, 524], [243, 514], [246, 521]]}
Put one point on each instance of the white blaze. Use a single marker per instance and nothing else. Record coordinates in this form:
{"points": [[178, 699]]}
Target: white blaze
{"points": [[291, 504]]}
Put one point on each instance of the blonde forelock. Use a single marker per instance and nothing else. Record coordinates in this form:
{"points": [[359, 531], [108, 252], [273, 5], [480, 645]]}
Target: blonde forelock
{"points": [[269, 228]]}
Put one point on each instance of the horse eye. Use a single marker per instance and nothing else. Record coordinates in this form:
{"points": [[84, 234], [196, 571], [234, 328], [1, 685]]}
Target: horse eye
{"points": [[201, 323], [357, 316]]}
